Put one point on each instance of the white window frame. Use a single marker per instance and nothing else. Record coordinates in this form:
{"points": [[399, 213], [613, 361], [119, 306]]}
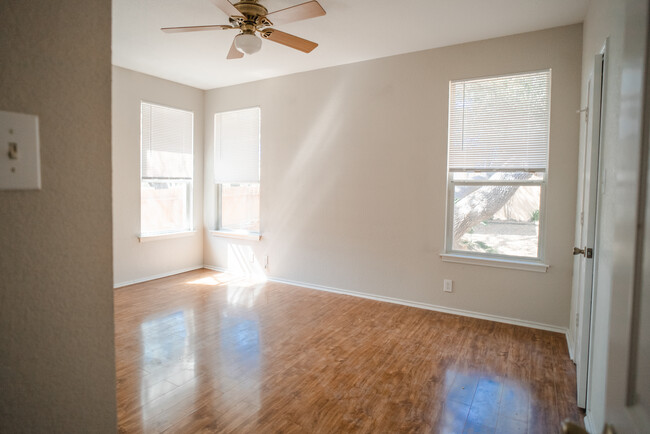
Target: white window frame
{"points": [[449, 236], [225, 232], [494, 259], [235, 233], [152, 236]]}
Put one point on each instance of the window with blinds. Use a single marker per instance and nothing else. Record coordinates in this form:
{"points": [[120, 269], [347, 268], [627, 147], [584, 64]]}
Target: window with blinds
{"points": [[500, 123], [167, 168], [237, 169], [497, 165]]}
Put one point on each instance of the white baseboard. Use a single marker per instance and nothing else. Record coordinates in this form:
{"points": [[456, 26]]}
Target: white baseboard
{"points": [[589, 424], [569, 344], [462, 312], [212, 267], [156, 276]]}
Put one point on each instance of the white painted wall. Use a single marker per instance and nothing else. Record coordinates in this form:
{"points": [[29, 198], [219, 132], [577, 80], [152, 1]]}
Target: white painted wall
{"points": [[354, 176], [57, 357], [135, 261], [605, 19]]}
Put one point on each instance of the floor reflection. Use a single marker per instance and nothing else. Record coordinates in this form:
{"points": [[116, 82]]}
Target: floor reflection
{"points": [[241, 355], [168, 357], [209, 352], [481, 402]]}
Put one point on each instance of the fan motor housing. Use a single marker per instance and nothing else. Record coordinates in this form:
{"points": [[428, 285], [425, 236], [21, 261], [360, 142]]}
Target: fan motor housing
{"points": [[251, 9]]}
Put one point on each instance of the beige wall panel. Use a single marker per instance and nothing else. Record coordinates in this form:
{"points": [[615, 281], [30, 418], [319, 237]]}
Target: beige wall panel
{"points": [[354, 176], [135, 261], [57, 362]]}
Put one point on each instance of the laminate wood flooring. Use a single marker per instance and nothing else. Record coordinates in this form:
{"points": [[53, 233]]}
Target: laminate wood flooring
{"points": [[207, 352]]}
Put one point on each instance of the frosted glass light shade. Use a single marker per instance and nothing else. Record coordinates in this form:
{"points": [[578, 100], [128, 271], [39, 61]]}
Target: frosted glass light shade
{"points": [[248, 43]]}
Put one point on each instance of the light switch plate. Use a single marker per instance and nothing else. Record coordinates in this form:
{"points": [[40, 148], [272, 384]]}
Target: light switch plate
{"points": [[20, 161]]}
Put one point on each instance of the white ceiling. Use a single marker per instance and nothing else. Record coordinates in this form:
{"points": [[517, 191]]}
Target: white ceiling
{"points": [[352, 31]]}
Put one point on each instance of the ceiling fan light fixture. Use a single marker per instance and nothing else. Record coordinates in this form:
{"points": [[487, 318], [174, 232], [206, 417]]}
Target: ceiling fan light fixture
{"points": [[248, 43]]}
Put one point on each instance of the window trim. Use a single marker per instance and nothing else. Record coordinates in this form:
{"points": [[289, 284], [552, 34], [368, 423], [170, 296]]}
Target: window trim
{"points": [[449, 222], [234, 233], [492, 259], [243, 235], [153, 236], [146, 238], [219, 231], [512, 264]]}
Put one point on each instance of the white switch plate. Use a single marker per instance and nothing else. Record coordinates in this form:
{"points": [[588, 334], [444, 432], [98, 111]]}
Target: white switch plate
{"points": [[19, 131], [447, 286]]}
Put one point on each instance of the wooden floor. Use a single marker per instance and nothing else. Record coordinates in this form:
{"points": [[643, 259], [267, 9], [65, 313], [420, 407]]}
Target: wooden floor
{"points": [[205, 352]]}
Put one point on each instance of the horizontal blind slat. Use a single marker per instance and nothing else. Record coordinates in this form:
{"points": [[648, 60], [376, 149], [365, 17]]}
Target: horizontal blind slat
{"points": [[237, 146], [166, 142], [500, 122]]}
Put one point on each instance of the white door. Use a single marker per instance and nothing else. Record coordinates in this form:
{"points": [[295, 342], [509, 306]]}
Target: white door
{"points": [[628, 370], [587, 216]]}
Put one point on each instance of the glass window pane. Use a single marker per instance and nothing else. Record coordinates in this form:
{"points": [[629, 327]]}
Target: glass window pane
{"points": [[240, 207], [501, 220], [165, 206]]}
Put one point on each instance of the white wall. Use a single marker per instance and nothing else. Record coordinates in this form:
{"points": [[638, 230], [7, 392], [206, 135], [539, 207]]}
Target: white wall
{"points": [[135, 261], [605, 19], [57, 357], [354, 176]]}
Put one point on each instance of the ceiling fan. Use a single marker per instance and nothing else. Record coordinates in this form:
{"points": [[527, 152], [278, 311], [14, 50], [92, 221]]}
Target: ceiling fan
{"points": [[249, 17]]}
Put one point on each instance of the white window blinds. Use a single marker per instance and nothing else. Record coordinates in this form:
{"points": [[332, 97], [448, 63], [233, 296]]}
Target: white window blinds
{"points": [[500, 123], [237, 146], [166, 142]]}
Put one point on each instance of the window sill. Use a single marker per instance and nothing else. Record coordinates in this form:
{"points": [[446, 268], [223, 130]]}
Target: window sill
{"points": [[158, 237], [493, 262], [250, 236]]}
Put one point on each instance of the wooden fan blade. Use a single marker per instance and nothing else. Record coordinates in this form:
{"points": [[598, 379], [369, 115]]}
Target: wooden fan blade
{"points": [[299, 12], [227, 7], [289, 40], [196, 28], [234, 53]]}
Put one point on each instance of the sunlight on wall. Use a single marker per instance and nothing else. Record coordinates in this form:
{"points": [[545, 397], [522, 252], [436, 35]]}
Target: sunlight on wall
{"points": [[314, 145], [242, 262]]}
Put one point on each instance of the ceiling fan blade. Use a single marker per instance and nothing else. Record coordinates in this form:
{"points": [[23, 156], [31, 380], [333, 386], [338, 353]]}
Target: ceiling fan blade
{"points": [[227, 7], [289, 40], [234, 53], [196, 28], [299, 12]]}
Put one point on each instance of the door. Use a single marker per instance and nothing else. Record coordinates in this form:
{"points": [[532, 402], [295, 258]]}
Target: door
{"points": [[588, 213], [628, 370]]}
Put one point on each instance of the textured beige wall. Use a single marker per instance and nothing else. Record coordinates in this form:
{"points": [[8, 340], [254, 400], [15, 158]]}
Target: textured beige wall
{"points": [[57, 364], [133, 260], [346, 150]]}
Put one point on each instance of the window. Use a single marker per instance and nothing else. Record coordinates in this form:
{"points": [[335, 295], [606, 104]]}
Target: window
{"points": [[237, 170], [497, 165], [166, 171]]}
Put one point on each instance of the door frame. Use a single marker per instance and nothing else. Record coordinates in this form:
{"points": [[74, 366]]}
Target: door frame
{"points": [[623, 411], [588, 218]]}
